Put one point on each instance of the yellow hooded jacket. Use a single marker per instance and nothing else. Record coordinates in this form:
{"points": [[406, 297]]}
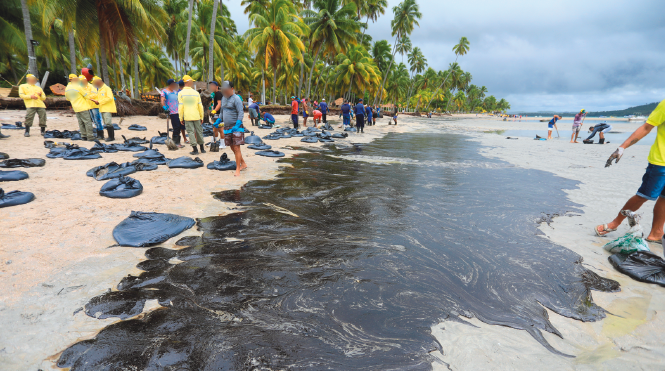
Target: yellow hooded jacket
{"points": [[190, 107], [26, 90], [105, 99], [76, 95], [92, 94]]}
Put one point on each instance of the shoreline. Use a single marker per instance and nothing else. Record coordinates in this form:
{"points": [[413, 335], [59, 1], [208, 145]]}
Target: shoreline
{"points": [[41, 303]]}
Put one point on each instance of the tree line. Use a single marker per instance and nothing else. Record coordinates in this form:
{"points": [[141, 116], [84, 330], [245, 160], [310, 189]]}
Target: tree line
{"points": [[317, 49]]}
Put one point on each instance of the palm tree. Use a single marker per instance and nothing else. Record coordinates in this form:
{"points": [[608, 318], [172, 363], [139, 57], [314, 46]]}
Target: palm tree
{"points": [[276, 37], [211, 42], [460, 49], [357, 69], [372, 9], [404, 46], [381, 53], [406, 16], [332, 29], [418, 64], [189, 33]]}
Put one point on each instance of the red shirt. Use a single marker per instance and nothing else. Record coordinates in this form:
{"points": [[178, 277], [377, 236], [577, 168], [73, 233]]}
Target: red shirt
{"points": [[294, 107]]}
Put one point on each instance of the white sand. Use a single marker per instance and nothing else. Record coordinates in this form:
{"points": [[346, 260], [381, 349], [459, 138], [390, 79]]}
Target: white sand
{"points": [[54, 255]]}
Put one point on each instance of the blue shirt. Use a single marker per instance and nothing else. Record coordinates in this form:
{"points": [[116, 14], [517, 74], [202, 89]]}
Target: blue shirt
{"points": [[255, 106], [171, 100], [346, 109], [360, 109], [323, 107], [369, 111], [268, 117]]}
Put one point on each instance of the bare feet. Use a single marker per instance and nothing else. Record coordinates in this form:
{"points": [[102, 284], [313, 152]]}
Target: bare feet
{"points": [[575, 142], [242, 167], [237, 173]]}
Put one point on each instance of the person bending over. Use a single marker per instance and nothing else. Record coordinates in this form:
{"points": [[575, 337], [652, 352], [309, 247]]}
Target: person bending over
{"points": [[552, 125], [601, 129], [317, 117], [653, 181], [268, 118]]}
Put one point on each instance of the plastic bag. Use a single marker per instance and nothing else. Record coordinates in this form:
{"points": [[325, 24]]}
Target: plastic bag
{"points": [[633, 240], [19, 162], [14, 198], [223, 164], [185, 162], [642, 266], [12, 175], [145, 229], [123, 187]]}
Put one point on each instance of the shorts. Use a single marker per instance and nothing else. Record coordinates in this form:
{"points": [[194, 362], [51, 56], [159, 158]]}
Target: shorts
{"points": [[252, 113], [577, 128], [317, 117], [305, 115], [237, 138], [653, 183], [550, 127]]}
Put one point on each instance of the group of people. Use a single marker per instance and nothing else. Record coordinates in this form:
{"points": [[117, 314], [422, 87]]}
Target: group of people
{"points": [[318, 111], [578, 120], [91, 99]]}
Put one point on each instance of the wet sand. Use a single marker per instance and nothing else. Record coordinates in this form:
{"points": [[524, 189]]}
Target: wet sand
{"points": [[55, 255]]}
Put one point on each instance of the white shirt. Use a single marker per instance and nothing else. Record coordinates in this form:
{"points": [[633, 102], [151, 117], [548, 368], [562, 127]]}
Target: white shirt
{"points": [[249, 101]]}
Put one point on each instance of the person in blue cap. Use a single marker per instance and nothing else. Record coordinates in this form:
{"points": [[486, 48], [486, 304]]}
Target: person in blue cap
{"points": [[360, 116], [169, 100]]}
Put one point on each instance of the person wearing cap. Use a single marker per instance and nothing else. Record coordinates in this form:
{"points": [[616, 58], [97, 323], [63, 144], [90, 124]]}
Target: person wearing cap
{"points": [[190, 111], [323, 107], [231, 116], [94, 107], [77, 96], [169, 100], [577, 125], [345, 111], [360, 116], [107, 107], [254, 113], [33, 96], [294, 112], [552, 125], [369, 114]]}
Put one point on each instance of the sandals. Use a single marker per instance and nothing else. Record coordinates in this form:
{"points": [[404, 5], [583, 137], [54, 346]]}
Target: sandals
{"points": [[604, 231], [660, 242]]}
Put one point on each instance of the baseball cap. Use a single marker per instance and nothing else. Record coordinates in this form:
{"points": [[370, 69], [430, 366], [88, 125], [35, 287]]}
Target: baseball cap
{"points": [[73, 76], [227, 85], [82, 77], [214, 82], [29, 75], [96, 78], [170, 81], [187, 78], [181, 83], [360, 100]]}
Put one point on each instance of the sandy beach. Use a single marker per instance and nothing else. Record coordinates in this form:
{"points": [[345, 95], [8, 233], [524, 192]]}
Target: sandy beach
{"points": [[56, 253]]}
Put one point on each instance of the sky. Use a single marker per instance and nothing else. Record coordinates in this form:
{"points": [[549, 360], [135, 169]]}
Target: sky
{"points": [[561, 55]]}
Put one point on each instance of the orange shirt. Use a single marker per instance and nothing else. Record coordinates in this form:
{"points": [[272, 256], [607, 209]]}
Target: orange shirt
{"points": [[294, 107]]}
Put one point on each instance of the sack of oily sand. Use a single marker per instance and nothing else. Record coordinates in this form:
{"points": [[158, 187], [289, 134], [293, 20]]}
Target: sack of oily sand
{"points": [[633, 240]]}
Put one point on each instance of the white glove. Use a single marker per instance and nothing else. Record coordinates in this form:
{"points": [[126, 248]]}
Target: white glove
{"points": [[616, 156]]}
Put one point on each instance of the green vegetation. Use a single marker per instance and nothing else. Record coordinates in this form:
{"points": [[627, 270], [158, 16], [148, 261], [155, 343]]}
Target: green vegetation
{"points": [[644, 109], [316, 48]]}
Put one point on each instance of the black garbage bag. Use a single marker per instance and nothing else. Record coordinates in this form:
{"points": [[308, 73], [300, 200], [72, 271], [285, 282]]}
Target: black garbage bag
{"points": [[309, 139], [253, 139], [259, 147], [136, 127], [185, 162], [130, 147], [111, 170], [207, 130], [340, 135], [223, 164], [20, 162], [76, 136], [12, 175], [14, 198], [3, 156], [271, 153], [350, 129], [310, 133], [80, 154], [285, 136], [265, 126], [642, 266], [116, 127], [326, 140], [12, 127], [149, 153], [297, 135], [324, 134], [145, 229], [135, 140], [161, 139], [57, 134], [123, 187], [273, 137], [152, 160], [100, 147], [327, 126]]}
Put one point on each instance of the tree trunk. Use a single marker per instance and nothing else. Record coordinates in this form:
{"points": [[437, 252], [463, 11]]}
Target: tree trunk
{"points": [[135, 86], [418, 103], [211, 42], [105, 65], [189, 34], [72, 53], [27, 29], [97, 62], [274, 85], [444, 81], [131, 84], [311, 71], [263, 86], [302, 70], [122, 72], [387, 72]]}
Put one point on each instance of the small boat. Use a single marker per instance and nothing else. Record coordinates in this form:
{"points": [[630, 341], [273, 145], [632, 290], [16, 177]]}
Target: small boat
{"points": [[637, 119], [544, 120]]}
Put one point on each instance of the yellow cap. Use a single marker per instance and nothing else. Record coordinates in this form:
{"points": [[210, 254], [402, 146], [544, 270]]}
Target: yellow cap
{"points": [[29, 76], [82, 77], [187, 78], [72, 76], [96, 78]]}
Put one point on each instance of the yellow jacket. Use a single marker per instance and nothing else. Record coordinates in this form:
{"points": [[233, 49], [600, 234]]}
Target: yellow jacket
{"points": [[76, 95], [190, 107], [26, 90], [92, 94], [105, 99]]}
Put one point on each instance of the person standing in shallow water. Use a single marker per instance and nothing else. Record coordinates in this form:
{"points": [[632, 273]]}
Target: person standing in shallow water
{"points": [[577, 126], [231, 115], [552, 125], [653, 181]]}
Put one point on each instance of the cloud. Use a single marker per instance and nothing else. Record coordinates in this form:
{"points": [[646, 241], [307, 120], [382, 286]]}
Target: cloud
{"points": [[599, 54]]}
